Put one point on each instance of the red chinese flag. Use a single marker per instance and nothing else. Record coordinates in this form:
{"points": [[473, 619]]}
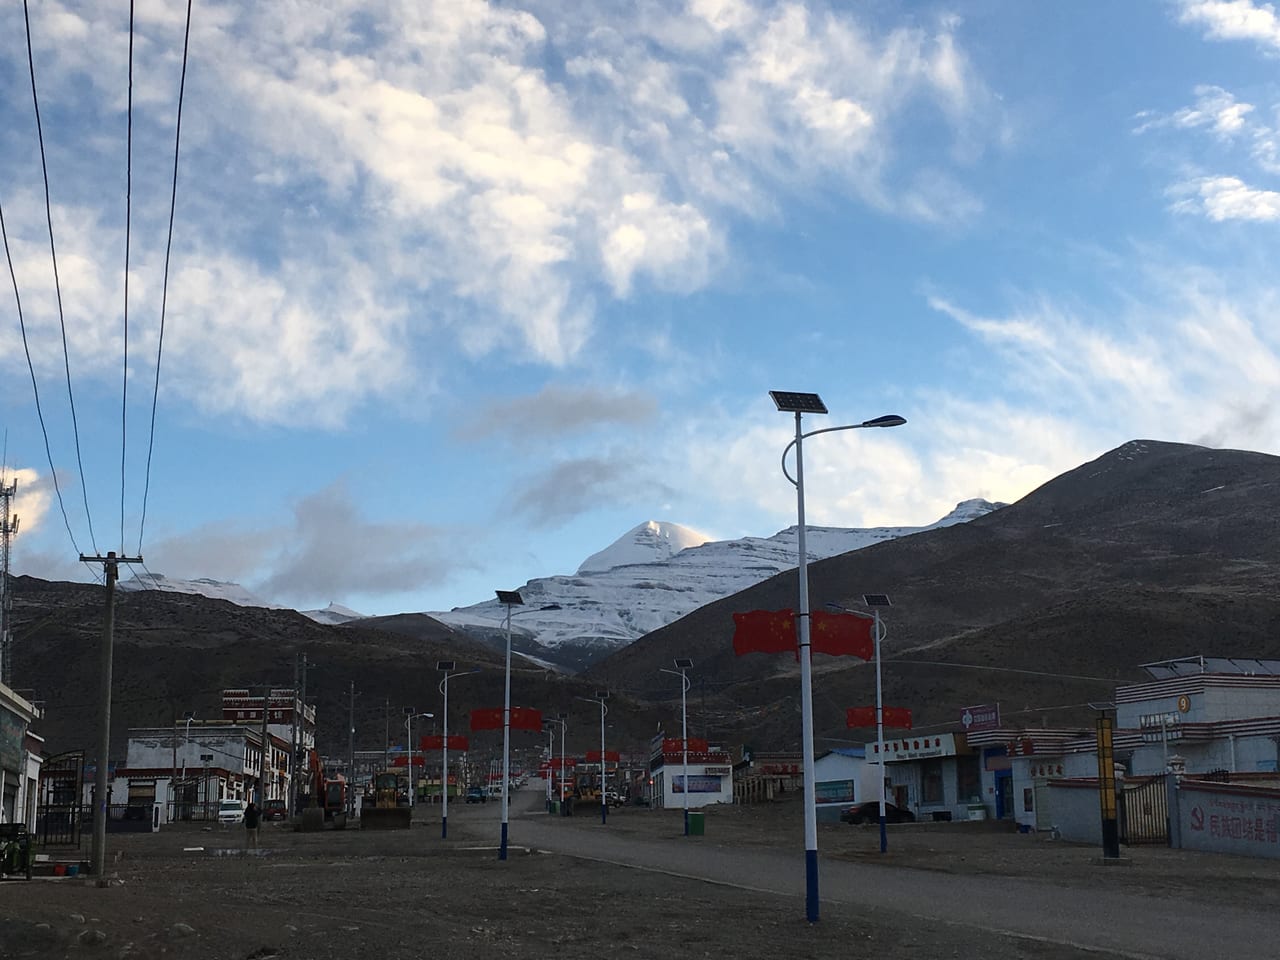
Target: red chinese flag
{"points": [[526, 718], [610, 756], [486, 719], [764, 631], [897, 717], [841, 634], [866, 717], [860, 717]]}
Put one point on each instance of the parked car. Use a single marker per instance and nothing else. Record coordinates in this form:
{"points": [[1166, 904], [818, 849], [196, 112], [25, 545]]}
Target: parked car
{"points": [[476, 795], [275, 810], [869, 812], [231, 811]]}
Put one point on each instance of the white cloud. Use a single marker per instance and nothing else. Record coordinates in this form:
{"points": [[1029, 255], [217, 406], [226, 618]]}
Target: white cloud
{"points": [[1234, 20], [1226, 198], [1215, 109]]}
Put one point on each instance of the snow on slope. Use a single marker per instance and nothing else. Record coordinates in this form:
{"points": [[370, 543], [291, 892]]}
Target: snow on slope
{"points": [[614, 606], [651, 542], [334, 613], [213, 589]]}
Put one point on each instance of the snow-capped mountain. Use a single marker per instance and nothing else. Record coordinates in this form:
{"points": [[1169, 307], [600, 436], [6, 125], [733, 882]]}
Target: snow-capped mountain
{"points": [[213, 589], [607, 605], [651, 542], [334, 613]]}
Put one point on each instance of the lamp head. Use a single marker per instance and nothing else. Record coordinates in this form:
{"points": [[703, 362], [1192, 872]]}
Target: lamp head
{"points": [[891, 420]]}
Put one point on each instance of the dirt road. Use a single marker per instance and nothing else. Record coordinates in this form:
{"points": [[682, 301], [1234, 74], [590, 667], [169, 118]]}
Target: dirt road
{"points": [[956, 890]]}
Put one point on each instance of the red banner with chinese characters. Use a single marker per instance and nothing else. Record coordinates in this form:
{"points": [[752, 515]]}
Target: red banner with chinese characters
{"points": [[866, 717], [455, 742], [610, 756]]}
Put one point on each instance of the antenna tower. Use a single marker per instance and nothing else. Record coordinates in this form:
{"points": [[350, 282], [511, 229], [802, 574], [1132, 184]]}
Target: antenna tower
{"points": [[8, 530]]}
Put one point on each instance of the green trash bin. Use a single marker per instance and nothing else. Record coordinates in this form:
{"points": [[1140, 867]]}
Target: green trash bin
{"points": [[697, 824]]}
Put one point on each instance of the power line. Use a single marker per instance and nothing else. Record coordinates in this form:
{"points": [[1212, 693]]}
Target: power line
{"points": [[57, 284], [1032, 673], [128, 239], [22, 325], [164, 288]]}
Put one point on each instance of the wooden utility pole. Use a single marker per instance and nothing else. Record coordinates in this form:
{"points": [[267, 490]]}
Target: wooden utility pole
{"points": [[266, 749], [351, 754], [101, 793]]}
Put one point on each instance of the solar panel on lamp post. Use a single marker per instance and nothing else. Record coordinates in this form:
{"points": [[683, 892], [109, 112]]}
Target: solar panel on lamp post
{"points": [[509, 599], [800, 404], [683, 665]]}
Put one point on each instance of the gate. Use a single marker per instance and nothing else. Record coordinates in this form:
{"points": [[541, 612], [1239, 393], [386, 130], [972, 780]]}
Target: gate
{"points": [[58, 813], [1144, 811]]}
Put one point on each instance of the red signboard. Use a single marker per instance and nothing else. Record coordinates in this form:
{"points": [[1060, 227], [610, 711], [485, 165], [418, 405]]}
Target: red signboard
{"points": [[696, 745]]}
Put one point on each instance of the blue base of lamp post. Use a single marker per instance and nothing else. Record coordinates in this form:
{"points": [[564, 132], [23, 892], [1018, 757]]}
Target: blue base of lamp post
{"points": [[444, 828], [502, 849], [686, 821], [884, 836], [604, 813], [811, 885]]}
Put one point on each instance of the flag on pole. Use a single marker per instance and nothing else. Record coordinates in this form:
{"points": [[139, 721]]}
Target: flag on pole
{"points": [[764, 631], [842, 634], [866, 717], [486, 719], [610, 756], [526, 718]]}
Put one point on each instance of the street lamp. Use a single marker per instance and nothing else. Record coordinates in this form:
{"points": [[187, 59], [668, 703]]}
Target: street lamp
{"points": [[800, 404], [509, 598], [683, 665], [562, 719], [600, 696], [409, 717], [875, 601], [446, 667]]}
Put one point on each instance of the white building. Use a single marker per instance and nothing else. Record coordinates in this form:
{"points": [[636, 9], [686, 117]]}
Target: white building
{"points": [[192, 766], [710, 774], [843, 777], [19, 758]]}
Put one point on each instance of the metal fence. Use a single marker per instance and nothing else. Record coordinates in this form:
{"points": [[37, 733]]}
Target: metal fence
{"points": [[1144, 811]]}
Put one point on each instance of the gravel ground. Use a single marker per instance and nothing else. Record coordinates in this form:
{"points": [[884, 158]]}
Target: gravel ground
{"points": [[394, 894]]}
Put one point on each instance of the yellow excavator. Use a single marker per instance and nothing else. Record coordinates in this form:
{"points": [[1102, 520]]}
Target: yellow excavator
{"points": [[383, 807]]}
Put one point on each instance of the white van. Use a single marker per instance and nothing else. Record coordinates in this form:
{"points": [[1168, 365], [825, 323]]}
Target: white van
{"points": [[231, 811]]}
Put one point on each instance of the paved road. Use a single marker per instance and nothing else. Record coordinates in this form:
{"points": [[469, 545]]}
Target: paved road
{"points": [[1127, 924]]}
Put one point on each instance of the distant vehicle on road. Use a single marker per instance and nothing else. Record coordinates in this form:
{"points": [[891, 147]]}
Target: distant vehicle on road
{"points": [[476, 795], [231, 811], [275, 810], [869, 812]]}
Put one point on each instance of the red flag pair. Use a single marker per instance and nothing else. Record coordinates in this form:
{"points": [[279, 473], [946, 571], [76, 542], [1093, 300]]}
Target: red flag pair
{"points": [[774, 631], [696, 745], [522, 718], [866, 717], [610, 756]]}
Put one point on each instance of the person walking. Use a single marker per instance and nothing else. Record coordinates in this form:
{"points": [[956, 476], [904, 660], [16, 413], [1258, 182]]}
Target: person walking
{"points": [[252, 816]]}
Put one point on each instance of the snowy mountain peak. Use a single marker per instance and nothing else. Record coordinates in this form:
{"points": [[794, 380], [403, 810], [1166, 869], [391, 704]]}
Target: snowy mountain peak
{"points": [[651, 542]]}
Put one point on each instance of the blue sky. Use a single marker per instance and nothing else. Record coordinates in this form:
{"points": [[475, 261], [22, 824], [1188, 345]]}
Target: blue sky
{"points": [[462, 291]]}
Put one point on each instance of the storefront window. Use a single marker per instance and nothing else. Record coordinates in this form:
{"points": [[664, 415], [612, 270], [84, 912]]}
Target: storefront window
{"points": [[968, 779], [931, 781]]}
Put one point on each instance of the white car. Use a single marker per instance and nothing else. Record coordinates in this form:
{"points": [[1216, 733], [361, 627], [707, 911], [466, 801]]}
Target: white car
{"points": [[231, 811]]}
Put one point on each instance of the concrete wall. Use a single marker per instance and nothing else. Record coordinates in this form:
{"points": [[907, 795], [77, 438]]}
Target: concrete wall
{"points": [[1075, 811], [1225, 818]]}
